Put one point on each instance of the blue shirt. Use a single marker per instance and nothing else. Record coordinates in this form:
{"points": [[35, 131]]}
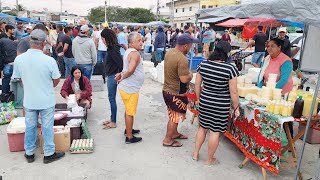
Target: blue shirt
{"points": [[37, 71], [18, 33], [122, 40]]}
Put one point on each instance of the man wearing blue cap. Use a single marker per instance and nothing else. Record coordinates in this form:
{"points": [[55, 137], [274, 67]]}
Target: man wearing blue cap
{"points": [[176, 78]]}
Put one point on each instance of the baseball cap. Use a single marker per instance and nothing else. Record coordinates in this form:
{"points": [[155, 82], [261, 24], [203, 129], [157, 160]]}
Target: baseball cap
{"points": [[186, 39], [283, 29], [105, 25], [84, 29], [120, 28], [224, 46], [38, 35], [226, 30]]}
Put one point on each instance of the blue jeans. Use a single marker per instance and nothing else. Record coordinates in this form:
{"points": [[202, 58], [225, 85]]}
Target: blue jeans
{"points": [[69, 63], [159, 54], [112, 93], [87, 70], [47, 120], [7, 73], [257, 57], [101, 56], [147, 49], [61, 66]]}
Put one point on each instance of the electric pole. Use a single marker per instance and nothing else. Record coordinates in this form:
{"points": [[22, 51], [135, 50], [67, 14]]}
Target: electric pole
{"points": [[61, 7], [172, 13], [17, 6], [158, 10], [105, 11]]}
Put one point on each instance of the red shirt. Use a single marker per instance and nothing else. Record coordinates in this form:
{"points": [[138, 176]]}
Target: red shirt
{"points": [[75, 32]]}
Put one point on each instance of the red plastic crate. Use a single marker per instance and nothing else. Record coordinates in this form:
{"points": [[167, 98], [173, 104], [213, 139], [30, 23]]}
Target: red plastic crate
{"points": [[16, 142]]}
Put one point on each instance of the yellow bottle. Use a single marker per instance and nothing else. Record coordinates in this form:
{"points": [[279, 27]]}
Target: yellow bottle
{"points": [[271, 108], [285, 110], [292, 96], [307, 106], [276, 110]]}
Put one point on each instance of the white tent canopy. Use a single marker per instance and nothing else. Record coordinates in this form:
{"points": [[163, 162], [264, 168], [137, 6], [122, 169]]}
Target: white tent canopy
{"points": [[302, 11]]}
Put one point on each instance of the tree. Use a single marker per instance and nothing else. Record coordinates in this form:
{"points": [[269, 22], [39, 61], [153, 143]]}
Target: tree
{"points": [[21, 7], [118, 14]]}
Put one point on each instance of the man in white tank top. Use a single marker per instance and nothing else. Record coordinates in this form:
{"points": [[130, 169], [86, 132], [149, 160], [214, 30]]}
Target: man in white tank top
{"points": [[131, 79]]}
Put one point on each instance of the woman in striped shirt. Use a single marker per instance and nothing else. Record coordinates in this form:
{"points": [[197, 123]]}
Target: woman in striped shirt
{"points": [[219, 88]]}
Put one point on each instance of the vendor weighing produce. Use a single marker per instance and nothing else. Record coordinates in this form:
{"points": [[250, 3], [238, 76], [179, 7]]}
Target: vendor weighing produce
{"points": [[276, 63]]}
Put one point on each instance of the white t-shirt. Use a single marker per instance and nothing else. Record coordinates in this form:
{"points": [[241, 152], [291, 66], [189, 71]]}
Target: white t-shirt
{"points": [[148, 41], [101, 45], [297, 56]]}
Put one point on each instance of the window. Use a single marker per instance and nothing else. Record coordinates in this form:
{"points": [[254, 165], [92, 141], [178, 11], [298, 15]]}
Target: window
{"points": [[190, 8], [181, 24], [176, 10], [182, 9], [210, 7], [203, 6]]}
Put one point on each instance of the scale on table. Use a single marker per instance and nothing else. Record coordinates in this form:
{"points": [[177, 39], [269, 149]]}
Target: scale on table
{"points": [[310, 62]]}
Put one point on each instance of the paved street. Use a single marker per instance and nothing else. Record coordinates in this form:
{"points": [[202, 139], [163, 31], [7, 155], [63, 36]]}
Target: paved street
{"points": [[113, 159]]}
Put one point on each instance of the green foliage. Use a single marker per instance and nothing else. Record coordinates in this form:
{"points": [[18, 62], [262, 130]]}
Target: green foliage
{"points": [[118, 14]]}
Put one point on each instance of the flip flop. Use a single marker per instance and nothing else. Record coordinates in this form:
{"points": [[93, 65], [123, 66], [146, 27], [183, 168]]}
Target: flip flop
{"points": [[214, 163], [173, 144], [108, 126], [194, 159], [181, 136]]}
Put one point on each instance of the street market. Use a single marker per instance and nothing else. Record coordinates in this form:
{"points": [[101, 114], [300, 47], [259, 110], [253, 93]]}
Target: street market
{"points": [[138, 99]]}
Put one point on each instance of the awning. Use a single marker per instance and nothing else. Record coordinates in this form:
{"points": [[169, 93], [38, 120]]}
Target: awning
{"points": [[208, 20], [233, 23], [301, 11]]}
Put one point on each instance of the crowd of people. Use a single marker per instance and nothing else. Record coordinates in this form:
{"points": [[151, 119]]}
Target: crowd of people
{"points": [[46, 53]]}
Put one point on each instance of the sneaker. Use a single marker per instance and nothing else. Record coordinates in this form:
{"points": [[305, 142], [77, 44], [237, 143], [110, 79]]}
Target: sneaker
{"points": [[53, 157], [30, 158], [134, 131], [133, 140]]}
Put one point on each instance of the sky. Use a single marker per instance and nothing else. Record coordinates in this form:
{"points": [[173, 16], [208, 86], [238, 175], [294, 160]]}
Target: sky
{"points": [[81, 7]]}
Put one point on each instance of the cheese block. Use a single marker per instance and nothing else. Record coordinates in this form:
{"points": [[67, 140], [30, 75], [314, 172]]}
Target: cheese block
{"points": [[243, 91]]}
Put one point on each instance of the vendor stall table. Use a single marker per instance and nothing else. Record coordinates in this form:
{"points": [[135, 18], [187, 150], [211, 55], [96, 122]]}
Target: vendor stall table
{"points": [[238, 56], [258, 135]]}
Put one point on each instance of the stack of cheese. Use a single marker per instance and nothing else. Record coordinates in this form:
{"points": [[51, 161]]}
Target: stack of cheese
{"points": [[245, 86]]}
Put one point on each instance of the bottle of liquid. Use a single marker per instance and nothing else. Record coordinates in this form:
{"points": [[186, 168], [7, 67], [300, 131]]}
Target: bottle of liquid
{"points": [[298, 108], [276, 110], [307, 106]]}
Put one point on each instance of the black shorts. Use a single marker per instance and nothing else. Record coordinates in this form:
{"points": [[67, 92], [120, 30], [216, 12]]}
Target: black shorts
{"points": [[295, 63]]}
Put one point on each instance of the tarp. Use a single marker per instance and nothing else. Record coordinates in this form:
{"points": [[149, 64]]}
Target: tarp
{"points": [[301, 11], [7, 18], [294, 24], [27, 20], [233, 23]]}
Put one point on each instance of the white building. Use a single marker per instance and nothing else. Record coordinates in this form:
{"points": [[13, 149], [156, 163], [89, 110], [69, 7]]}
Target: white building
{"points": [[69, 18], [183, 10], [40, 16]]}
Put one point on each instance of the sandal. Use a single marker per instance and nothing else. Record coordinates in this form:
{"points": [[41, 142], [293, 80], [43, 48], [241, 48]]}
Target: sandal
{"points": [[173, 144], [216, 161], [181, 136], [109, 126], [106, 123]]}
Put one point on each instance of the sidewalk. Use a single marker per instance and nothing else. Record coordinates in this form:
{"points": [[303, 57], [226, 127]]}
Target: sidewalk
{"points": [[113, 159]]}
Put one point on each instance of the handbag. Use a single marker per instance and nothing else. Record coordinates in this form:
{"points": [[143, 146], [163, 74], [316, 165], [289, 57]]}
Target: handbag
{"points": [[7, 97]]}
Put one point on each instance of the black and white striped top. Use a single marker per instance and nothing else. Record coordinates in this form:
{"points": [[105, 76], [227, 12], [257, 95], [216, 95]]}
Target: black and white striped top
{"points": [[214, 104]]}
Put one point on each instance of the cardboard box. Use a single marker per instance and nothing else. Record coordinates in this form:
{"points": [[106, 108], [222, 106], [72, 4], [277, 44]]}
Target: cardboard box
{"points": [[61, 139]]}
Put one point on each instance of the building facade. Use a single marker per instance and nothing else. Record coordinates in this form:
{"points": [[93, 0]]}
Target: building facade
{"points": [[204, 4], [183, 10]]}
